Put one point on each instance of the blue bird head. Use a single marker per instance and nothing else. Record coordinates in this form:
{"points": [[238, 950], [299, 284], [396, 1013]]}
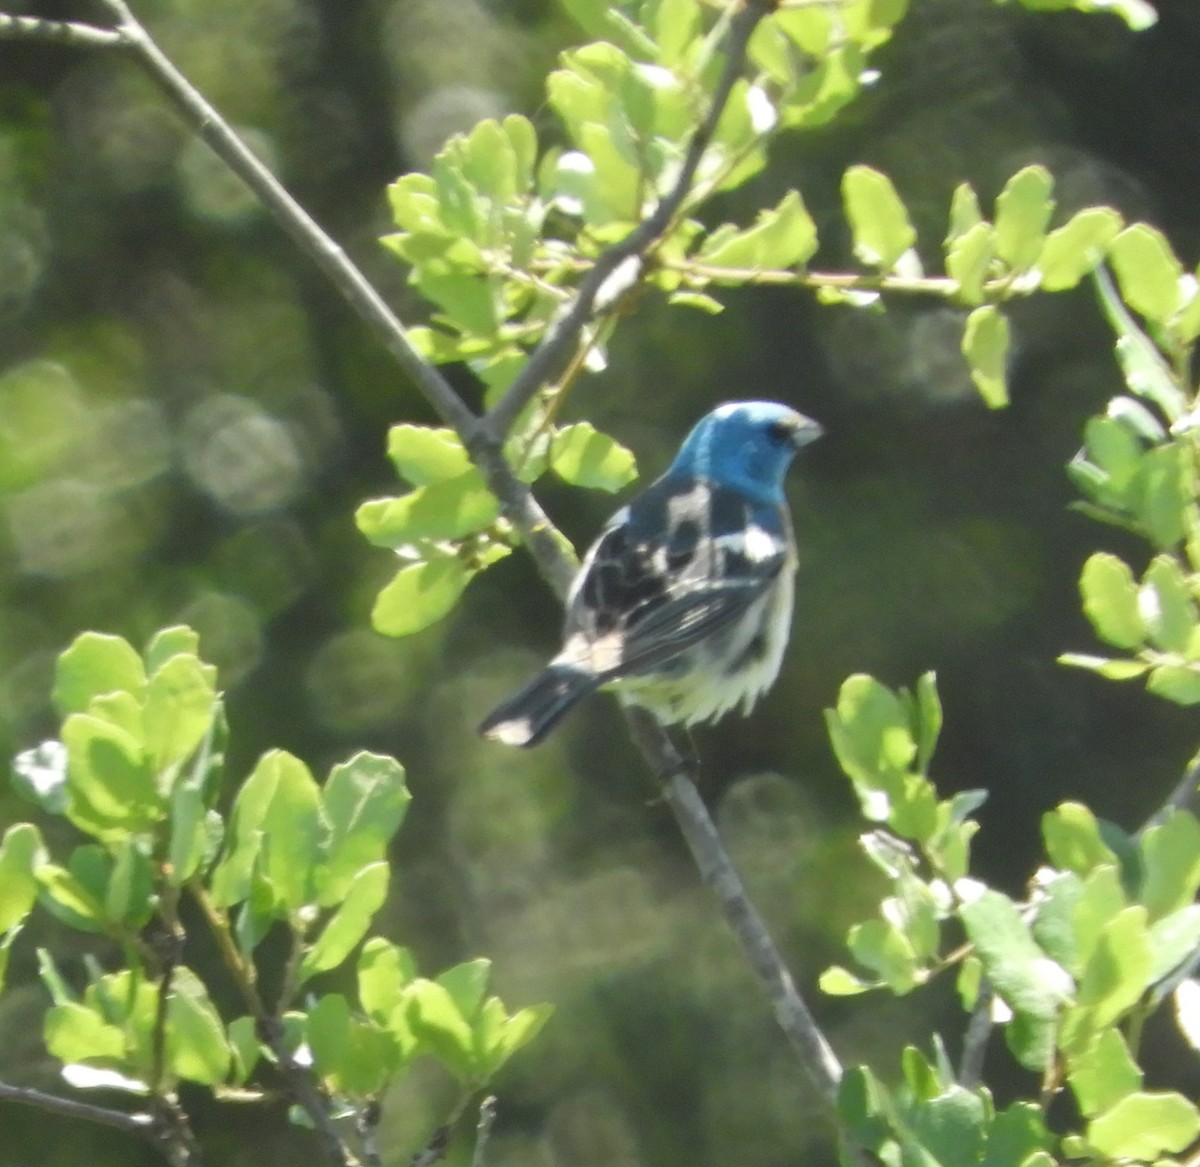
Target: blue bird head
{"points": [[746, 444]]}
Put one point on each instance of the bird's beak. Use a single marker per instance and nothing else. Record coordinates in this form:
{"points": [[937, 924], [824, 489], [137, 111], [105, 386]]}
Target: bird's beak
{"points": [[806, 431]]}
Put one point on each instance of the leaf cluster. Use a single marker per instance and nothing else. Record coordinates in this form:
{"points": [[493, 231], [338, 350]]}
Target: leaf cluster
{"points": [[139, 773]]}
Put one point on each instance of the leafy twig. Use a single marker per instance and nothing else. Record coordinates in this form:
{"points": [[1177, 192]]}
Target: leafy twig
{"points": [[299, 1082], [560, 337]]}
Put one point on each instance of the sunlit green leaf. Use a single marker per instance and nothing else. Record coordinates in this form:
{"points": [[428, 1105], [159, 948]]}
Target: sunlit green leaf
{"points": [[1148, 271], [879, 220], [1023, 210], [363, 803], [1073, 839], [985, 345], [583, 456], [1075, 248], [1110, 600], [364, 897], [1142, 1127], [21, 853], [95, 664], [424, 454], [180, 705], [196, 1043], [1103, 1073], [969, 258], [1034, 986], [1171, 864], [449, 509], [782, 237], [1177, 683], [419, 595]]}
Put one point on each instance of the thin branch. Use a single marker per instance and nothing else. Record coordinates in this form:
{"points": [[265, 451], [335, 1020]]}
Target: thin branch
{"points": [[718, 872], [1183, 797], [61, 32], [298, 1080], [483, 1130], [975, 1041], [559, 338], [135, 1124]]}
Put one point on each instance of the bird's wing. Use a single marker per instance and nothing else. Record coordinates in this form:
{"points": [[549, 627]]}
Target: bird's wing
{"points": [[684, 560]]}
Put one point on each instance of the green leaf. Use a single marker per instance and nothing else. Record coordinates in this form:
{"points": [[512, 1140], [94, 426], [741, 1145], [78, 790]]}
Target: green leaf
{"points": [[364, 802], [1015, 1135], [1113, 981], [884, 949], [782, 237], [178, 640], [873, 741], [1103, 1073], [242, 1036], [837, 981], [507, 1035], [929, 726], [449, 509], [419, 595], [1146, 371], [70, 899], [22, 852], [1148, 272], [274, 831], [965, 214], [985, 345], [969, 261], [439, 1024], [1023, 210], [180, 705], [1170, 853], [879, 221], [75, 1033], [1034, 986], [1077, 247], [92, 665], [1173, 940], [1073, 840], [1166, 603], [384, 971], [1177, 683], [1144, 1126], [951, 1127], [196, 1043], [583, 456], [1110, 600], [425, 455], [111, 788], [348, 925]]}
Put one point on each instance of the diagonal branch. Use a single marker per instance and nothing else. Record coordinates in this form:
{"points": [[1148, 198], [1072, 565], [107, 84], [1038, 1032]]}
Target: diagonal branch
{"points": [[560, 337]]}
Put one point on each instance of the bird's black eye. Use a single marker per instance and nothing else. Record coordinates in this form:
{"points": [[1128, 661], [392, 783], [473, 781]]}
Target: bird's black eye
{"points": [[781, 433]]}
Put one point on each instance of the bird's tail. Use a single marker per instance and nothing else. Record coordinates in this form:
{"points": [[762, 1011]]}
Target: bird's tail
{"points": [[528, 715]]}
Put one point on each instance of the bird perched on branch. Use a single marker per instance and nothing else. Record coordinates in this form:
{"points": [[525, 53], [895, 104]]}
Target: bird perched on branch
{"points": [[684, 602]]}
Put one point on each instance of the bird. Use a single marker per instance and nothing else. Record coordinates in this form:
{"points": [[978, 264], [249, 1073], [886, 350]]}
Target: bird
{"points": [[683, 604]]}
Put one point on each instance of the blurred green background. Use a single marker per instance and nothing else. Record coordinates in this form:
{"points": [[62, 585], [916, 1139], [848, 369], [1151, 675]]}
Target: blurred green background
{"points": [[189, 415]]}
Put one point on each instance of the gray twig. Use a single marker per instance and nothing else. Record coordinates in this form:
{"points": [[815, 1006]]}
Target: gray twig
{"points": [[134, 1124], [483, 1130], [62, 32]]}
